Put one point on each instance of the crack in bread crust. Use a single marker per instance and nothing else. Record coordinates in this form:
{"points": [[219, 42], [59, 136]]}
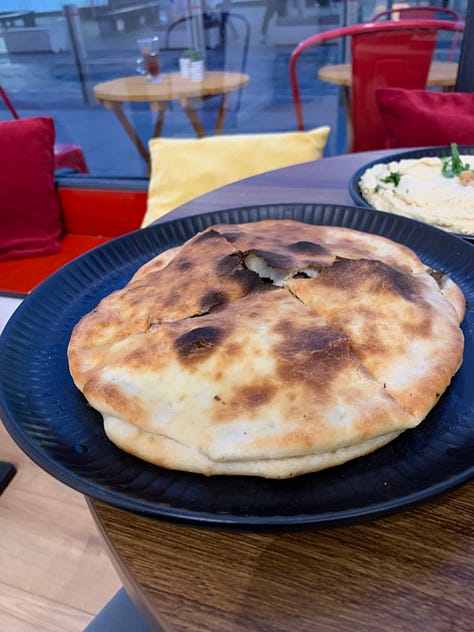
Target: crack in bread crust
{"points": [[397, 322]]}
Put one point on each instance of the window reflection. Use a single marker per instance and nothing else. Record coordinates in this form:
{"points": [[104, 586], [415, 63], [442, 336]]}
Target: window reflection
{"points": [[52, 56]]}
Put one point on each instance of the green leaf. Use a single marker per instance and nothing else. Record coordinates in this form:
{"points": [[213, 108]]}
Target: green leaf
{"points": [[453, 166], [394, 178]]}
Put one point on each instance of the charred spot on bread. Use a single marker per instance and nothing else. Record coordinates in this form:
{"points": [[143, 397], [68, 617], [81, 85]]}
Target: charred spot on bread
{"points": [[198, 342]]}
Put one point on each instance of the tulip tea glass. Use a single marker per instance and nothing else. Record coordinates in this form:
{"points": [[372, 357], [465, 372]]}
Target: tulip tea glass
{"points": [[149, 61]]}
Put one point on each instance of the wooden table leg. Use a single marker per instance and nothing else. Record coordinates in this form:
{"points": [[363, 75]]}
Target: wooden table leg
{"points": [[188, 107], [193, 117], [117, 108], [161, 109], [221, 114]]}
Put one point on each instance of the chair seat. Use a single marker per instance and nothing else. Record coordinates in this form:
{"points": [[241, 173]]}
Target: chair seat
{"points": [[21, 276], [69, 156]]}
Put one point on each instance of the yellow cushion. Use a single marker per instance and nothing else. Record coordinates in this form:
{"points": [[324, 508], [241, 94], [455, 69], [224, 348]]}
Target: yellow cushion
{"points": [[183, 169]]}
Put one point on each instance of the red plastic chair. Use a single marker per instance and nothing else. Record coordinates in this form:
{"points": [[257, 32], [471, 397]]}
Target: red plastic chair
{"points": [[423, 13], [66, 155], [384, 54], [418, 13]]}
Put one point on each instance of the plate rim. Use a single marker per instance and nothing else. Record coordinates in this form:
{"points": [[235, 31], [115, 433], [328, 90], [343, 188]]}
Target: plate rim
{"points": [[141, 506]]}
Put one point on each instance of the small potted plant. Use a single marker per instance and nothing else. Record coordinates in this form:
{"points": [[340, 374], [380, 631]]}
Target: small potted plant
{"points": [[196, 66], [191, 64], [185, 62]]}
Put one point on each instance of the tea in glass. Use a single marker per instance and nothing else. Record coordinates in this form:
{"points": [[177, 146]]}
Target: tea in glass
{"points": [[149, 61]]}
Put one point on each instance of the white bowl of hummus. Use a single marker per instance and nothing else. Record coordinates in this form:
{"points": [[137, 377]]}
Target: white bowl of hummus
{"points": [[435, 186]]}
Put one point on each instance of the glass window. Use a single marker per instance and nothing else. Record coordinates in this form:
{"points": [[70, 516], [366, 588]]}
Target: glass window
{"points": [[58, 60]]}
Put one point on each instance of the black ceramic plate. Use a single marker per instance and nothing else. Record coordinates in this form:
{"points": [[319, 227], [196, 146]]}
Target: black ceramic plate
{"points": [[50, 420], [442, 152]]}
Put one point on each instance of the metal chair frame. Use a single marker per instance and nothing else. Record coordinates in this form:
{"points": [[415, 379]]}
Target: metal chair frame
{"points": [[415, 13], [223, 23], [383, 55], [210, 23], [428, 12]]}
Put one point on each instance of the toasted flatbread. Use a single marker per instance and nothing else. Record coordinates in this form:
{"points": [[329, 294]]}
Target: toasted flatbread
{"points": [[274, 348]]}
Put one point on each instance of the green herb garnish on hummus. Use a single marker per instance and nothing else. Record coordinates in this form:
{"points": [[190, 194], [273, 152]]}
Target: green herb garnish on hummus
{"points": [[394, 178], [453, 166]]}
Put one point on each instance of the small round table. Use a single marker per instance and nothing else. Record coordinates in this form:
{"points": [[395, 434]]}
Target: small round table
{"points": [[113, 94], [442, 74]]}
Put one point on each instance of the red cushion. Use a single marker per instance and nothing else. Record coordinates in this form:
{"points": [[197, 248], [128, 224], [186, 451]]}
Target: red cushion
{"points": [[416, 118], [23, 275], [30, 220]]}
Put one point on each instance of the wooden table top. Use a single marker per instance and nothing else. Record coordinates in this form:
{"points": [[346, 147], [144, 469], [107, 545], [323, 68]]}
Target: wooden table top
{"points": [[407, 572], [442, 73], [172, 86]]}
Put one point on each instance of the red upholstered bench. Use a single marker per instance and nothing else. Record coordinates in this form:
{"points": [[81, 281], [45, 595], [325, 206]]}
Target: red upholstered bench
{"points": [[93, 211]]}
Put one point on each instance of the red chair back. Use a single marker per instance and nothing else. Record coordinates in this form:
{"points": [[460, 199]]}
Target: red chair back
{"points": [[418, 13], [423, 13], [384, 54], [8, 103], [405, 62]]}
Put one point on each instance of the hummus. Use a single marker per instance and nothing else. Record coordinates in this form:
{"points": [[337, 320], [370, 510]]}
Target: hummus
{"points": [[422, 192]]}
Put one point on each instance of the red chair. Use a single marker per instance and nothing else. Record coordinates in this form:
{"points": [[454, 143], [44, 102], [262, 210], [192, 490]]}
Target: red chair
{"points": [[418, 13], [384, 54], [69, 156], [66, 155], [423, 13]]}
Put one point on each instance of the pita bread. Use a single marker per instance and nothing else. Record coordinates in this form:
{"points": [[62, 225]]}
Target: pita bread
{"points": [[274, 349]]}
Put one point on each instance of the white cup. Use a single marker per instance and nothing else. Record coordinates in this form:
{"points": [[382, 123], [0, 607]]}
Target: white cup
{"points": [[184, 67], [196, 70]]}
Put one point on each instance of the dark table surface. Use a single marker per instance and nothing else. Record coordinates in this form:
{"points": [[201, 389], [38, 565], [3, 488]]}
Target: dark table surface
{"points": [[322, 181], [406, 572]]}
